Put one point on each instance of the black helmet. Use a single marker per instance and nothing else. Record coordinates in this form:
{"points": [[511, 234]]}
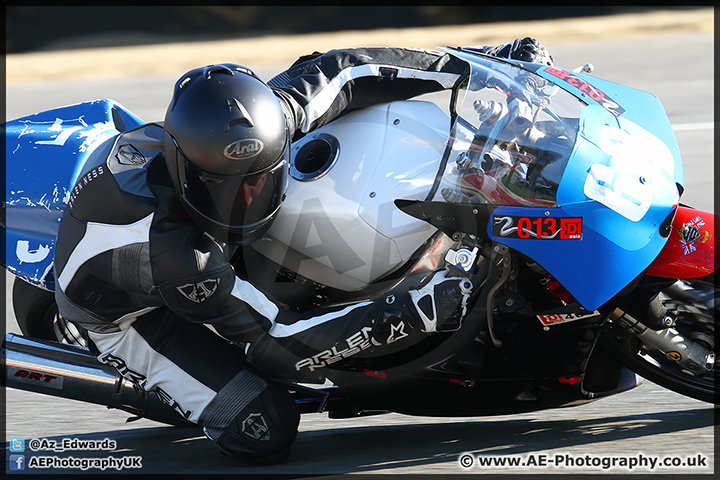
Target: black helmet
{"points": [[227, 147]]}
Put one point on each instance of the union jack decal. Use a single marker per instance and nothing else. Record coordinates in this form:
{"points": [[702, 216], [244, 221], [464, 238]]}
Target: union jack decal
{"points": [[687, 247], [698, 222], [691, 233]]}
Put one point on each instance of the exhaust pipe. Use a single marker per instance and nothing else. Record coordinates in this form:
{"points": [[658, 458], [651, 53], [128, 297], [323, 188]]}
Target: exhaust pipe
{"points": [[68, 371]]}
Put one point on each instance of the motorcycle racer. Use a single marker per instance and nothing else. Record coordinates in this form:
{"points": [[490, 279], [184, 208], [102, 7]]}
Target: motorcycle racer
{"points": [[143, 252]]}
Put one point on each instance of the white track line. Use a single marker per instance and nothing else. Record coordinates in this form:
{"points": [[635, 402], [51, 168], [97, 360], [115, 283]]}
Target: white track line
{"points": [[682, 127]]}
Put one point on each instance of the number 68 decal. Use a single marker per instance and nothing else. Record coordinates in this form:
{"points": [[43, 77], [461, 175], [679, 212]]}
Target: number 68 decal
{"points": [[624, 186], [628, 196]]}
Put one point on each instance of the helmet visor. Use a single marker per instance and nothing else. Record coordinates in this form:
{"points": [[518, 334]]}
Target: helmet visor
{"points": [[234, 202]]}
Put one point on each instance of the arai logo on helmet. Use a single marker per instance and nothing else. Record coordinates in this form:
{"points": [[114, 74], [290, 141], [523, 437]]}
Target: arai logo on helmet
{"points": [[243, 149]]}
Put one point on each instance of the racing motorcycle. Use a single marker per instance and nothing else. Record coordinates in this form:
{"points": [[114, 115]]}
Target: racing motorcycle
{"points": [[556, 193]]}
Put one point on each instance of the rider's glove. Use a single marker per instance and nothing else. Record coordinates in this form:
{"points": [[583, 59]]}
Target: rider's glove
{"points": [[525, 49]]}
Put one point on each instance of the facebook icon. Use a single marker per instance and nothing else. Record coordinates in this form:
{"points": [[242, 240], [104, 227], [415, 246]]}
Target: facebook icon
{"points": [[17, 462]]}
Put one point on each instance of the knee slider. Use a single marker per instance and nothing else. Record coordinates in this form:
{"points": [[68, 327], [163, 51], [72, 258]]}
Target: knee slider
{"points": [[263, 431]]}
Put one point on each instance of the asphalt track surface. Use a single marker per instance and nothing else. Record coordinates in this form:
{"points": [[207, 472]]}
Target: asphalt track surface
{"points": [[648, 422]]}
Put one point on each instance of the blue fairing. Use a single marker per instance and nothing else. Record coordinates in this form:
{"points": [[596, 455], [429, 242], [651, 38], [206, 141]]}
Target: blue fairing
{"points": [[593, 269], [621, 180], [45, 154], [639, 107]]}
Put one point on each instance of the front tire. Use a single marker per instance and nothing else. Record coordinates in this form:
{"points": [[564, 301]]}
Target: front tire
{"points": [[694, 304]]}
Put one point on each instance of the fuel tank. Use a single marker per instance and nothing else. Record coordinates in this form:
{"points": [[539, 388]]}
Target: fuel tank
{"points": [[338, 225]]}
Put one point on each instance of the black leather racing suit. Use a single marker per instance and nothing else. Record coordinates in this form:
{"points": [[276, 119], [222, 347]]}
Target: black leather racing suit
{"points": [[133, 269]]}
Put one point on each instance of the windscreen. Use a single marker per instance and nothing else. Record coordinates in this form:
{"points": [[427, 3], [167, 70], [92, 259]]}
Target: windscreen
{"points": [[512, 138]]}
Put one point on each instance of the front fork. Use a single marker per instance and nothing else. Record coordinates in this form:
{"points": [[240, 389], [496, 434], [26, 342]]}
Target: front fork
{"points": [[689, 253], [693, 357]]}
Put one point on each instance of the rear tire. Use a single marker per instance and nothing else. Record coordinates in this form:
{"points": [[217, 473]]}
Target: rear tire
{"points": [[37, 315]]}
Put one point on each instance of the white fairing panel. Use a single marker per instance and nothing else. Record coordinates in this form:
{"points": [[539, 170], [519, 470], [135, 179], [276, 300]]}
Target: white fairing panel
{"points": [[342, 228]]}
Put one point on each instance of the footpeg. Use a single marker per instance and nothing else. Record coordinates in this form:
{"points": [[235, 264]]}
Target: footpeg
{"points": [[441, 304]]}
